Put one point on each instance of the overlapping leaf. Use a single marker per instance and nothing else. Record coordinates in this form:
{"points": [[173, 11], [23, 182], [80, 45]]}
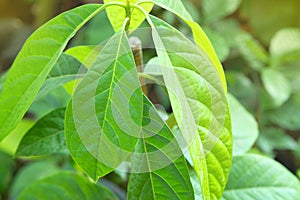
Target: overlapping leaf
{"points": [[65, 185], [34, 62], [105, 114], [200, 37], [166, 179], [45, 137], [199, 105]]}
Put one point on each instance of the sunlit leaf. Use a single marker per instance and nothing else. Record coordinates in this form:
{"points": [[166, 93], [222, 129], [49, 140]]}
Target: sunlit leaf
{"points": [[199, 105], [117, 14], [256, 177], [200, 37], [34, 62], [166, 179]]}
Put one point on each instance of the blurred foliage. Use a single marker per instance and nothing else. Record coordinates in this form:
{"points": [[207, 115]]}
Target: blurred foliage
{"points": [[257, 41]]}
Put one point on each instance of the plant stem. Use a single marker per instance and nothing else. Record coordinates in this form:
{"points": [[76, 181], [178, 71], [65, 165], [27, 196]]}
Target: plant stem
{"points": [[136, 47]]}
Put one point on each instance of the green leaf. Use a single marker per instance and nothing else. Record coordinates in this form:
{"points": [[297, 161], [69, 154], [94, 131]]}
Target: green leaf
{"points": [[6, 171], [30, 173], [34, 62], [107, 108], [217, 9], [199, 105], [65, 186], [256, 177], [288, 115], [275, 138], [117, 14], [276, 85], [11, 142], [2, 80], [166, 179], [45, 137], [65, 70], [244, 127], [200, 37]]}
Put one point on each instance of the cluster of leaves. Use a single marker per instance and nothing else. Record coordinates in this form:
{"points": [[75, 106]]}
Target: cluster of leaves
{"points": [[41, 81]]}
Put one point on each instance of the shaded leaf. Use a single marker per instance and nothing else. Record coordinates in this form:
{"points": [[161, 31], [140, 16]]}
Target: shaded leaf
{"points": [[45, 137], [6, 171], [256, 177], [276, 85], [244, 127], [65, 185], [34, 62], [166, 179]]}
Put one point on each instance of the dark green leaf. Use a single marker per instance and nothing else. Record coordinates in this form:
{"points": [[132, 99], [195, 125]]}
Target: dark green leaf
{"points": [[45, 137], [65, 186], [166, 179]]}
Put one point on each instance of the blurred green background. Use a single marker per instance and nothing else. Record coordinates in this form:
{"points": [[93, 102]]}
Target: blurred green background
{"points": [[258, 43]]}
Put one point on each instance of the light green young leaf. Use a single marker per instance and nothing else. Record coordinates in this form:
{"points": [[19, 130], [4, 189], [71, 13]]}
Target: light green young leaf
{"points": [[217, 9], [199, 105], [45, 137], [117, 14], [105, 115], [256, 177], [85, 54], [200, 37], [65, 185], [244, 127], [34, 62], [65, 70], [166, 179], [276, 85]]}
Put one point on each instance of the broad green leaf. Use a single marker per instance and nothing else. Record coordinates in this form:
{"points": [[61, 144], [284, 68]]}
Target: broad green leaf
{"points": [[6, 171], [65, 70], [166, 179], [275, 138], [34, 62], [276, 85], [256, 177], [217, 9], [117, 14], [200, 37], [30, 173], [244, 127], [45, 137], [199, 105], [105, 115], [65, 186]]}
